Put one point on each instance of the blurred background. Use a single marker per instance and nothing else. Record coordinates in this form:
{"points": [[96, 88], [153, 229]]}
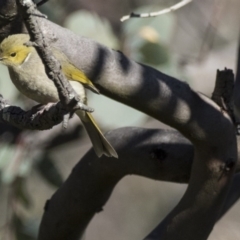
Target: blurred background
{"points": [[189, 44]]}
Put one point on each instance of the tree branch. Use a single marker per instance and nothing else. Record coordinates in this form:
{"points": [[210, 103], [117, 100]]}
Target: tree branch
{"points": [[155, 14], [157, 155], [166, 99], [163, 155], [38, 118]]}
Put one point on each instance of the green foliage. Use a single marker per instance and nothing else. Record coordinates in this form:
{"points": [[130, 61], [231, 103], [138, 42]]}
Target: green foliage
{"points": [[11, 166], [59, 10], [154, 53], [20, 191], [91, 25], [23, 231], [6, 85], [148, 40], [48, 170]]}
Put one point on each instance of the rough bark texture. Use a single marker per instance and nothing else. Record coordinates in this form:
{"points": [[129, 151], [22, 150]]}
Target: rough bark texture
{"points": [[38, 118]]}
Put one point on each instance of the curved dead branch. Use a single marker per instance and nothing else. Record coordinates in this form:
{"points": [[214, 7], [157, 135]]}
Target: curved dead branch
{"points": [[167, 99]]}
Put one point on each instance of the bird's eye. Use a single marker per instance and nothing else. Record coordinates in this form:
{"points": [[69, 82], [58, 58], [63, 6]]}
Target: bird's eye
{"points": [[13, 54]]}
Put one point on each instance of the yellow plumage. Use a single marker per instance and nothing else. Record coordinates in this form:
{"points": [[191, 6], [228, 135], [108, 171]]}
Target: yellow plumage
{"points": [[73, 73]]}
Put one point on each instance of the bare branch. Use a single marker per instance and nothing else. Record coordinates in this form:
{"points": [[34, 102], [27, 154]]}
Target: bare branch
{"points": [[223, 92], [167, 99], [155, 14], [157, 155], [233, 195], [34, 119]]}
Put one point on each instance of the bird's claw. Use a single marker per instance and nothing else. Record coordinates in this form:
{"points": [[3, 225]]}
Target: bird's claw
{"points": [[85, 108]]}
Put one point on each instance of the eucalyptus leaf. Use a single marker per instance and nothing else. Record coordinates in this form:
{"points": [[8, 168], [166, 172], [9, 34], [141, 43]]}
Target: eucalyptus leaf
{"points": [[160, 29], [120, 114], [20, 229], [14, 162], [6, 86], [91, 25], [154, 53], [20, 190], [48, 170], [149, 40], [6, 152], [30, 229]]}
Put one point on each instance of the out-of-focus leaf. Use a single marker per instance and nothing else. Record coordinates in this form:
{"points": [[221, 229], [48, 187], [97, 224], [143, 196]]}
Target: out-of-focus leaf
{"points": [[6, 85], [92, 26], [25, 167], [20, 229], [148, 40], [59, 10], [30, 229], [49, 171], [140, 30], [114, 114], [6, 153], [24, 236], [14, 162], [154, 53], [16, 167], [20, 192]]}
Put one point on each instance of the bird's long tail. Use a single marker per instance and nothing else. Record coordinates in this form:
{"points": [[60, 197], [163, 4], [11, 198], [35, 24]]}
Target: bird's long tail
{"points": [[100, 143]]}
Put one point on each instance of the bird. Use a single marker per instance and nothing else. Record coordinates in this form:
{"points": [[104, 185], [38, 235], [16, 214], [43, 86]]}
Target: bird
{"points": [[27, 73]]}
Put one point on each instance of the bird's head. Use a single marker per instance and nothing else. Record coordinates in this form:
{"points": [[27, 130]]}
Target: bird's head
{"points": [[13, 50]]}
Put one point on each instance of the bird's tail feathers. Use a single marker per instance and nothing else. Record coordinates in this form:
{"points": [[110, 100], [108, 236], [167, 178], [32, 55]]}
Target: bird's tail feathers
{"points": [[100, 143]]}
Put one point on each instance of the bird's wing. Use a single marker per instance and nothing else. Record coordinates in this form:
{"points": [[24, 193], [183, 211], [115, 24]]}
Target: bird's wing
{"points": [[73, 73]]}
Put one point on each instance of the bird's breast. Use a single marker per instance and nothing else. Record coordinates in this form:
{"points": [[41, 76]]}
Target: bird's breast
{"points": [[34, 84], [31, 80]]}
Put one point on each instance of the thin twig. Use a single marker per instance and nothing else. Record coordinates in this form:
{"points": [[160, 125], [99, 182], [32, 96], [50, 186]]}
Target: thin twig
{"points": [[46, 118], [154, 14]]}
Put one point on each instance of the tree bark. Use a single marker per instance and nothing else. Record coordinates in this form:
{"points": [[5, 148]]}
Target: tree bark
{"points": [[167, 99]]}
